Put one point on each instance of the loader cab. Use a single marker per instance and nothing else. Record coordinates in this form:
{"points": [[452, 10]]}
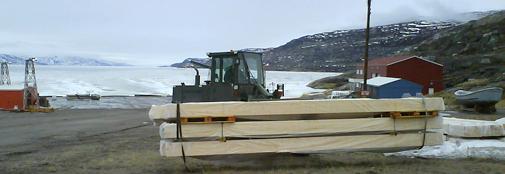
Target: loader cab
{"points": [[237, 68], [233, 76]]}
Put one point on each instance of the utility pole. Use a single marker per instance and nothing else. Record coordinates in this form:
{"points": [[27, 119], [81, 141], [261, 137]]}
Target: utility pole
{"points": [[5, 78], [364, 91]]}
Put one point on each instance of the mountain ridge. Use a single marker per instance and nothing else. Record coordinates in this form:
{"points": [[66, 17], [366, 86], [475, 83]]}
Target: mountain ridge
{"points": [[340, 50], [61, 60]]}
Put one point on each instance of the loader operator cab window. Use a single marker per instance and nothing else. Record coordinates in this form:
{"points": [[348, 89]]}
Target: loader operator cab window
{"points": [[223, 73], [255, 66], [242, 74]]}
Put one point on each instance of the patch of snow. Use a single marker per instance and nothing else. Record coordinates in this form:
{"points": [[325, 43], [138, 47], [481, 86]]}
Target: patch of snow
{"points": [[413, 29], [455, 148], [340, 32], [308, 46]]}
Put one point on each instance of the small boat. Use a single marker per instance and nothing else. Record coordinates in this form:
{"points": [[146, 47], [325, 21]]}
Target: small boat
{"points": [[482, 98], [340, 94], [83, 97]]}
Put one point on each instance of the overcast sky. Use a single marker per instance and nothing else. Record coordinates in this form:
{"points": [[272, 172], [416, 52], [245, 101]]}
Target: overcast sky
{"points": [[155, 32]]}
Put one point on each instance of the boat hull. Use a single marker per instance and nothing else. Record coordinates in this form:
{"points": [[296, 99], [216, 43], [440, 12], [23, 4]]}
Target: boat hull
{"points": [[484, 97], [83, 97]]}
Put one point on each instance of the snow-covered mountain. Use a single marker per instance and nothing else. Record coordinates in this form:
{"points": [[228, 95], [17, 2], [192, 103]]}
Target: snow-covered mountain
{"points": [[257, 50], [11, 59], [339, 50], [61, 60]]}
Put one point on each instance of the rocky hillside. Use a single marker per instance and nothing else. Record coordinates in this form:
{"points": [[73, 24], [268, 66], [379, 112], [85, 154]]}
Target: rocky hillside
{"points": [[187, 62], [339, 50], [475, 50]]}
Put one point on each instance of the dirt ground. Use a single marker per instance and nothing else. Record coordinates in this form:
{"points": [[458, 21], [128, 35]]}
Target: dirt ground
{"points": [[123, 141]]}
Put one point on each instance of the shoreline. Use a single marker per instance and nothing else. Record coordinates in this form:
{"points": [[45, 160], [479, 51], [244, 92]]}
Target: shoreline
{"points": [[110, 102]]}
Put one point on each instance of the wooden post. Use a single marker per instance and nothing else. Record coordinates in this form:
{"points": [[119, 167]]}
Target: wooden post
{"points": [[367, 40]]}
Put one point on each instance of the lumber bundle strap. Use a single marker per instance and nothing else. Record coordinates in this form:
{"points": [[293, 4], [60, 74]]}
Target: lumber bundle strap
{"points": [[425, 125], [179, 135], [414, 115]]}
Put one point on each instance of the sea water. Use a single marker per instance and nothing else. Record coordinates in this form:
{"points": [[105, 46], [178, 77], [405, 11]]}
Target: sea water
{"points": [[133, 80]]}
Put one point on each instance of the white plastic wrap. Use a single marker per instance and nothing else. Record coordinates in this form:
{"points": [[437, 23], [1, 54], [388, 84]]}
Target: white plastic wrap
{"points": [[299, 127], [296, 107], [501, 121], [301, 145], [472, 128]]}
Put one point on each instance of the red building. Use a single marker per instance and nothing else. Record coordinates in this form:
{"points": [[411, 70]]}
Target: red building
{"points": [[427, 73], [12, 98]]}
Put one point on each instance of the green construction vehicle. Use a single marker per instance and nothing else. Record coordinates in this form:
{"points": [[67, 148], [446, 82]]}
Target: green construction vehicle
{"points": [[234, 76]]}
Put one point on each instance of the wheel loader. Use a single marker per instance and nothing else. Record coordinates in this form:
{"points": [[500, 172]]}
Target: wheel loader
{"points": [[233, 76]]}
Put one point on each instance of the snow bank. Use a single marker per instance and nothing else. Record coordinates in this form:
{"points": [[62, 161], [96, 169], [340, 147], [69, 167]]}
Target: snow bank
{"points": [[455, 148]]}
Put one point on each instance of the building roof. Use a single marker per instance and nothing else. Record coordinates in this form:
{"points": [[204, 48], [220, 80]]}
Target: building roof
{"points": [[388, 60], [385, 61], [229, 53], [11, 87], [379, 81]]}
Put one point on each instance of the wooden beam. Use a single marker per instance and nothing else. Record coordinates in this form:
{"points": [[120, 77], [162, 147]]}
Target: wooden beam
{"points": [[298, 127], [271, 109], [307, 144]]}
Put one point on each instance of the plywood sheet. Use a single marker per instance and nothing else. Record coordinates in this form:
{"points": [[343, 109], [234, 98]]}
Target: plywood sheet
{"points": [[296, 107], [472, 128], [299, 127], [307, 144]]}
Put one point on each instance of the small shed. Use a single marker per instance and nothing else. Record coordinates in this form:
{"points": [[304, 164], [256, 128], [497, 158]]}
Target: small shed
{"points": [[12, 98], [388, 87], [419, 70]]}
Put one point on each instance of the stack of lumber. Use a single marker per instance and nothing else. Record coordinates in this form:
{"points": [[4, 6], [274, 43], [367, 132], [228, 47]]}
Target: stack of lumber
{"points": [[298, 126], [467, 128]]}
